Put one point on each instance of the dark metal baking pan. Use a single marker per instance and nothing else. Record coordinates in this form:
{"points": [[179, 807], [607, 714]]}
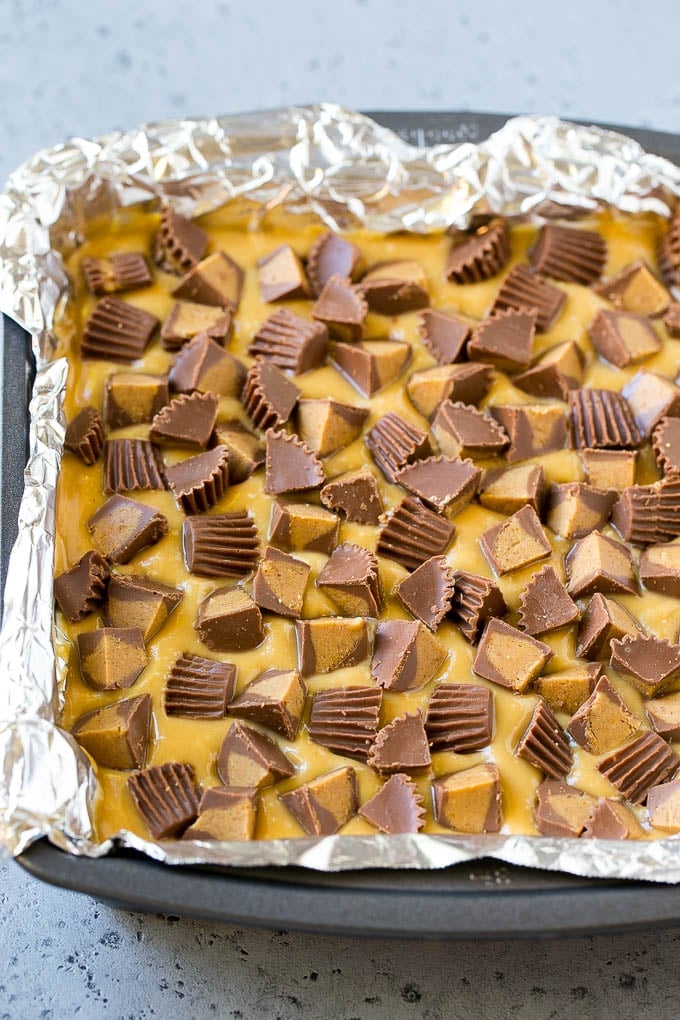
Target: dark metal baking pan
{"points": [[479, 900]]}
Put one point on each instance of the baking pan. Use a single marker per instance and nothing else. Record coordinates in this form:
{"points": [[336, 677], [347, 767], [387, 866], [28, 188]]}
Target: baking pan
{"points": [[483, 899]]}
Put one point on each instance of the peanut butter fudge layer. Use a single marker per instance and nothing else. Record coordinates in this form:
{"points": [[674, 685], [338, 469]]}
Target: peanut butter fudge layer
{"points": [[373, 533]]}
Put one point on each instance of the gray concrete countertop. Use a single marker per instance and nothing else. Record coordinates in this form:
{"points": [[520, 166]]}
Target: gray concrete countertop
{"points": [[72, 68]]}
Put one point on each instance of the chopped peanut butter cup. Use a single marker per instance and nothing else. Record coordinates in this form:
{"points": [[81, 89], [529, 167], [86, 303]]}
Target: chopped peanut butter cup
{"points": [[299, 526], [371, 365], [544, 743], [356, 494], [610, 819], [463, 431], [117, 735], [324, 805], [188, 320], [505, 339], [516, 542], [82, 589], [199, 688], [117, 331], [275, 699], [85, 436], [166, 797], [480, 255], [269, 396], [476, 599], [567, 690], [117, 272], [345, 719], [428, 592], [445, 483], [639, 765], [405, 655], [470, 800], [648, 514], [250, 758], [671, 319], [545, 604], [282, 275], [526, 291], [351, 581], [225, 813], [179, 243], [610, 469], [290, 465], [666, 446], [444, 335], [598, 563], [123, 527], [221, 545], [574, 509], [401, 746], [664, 715], [561, 809], [290, 342], [668, 254], [111, 658], [554, 373], [199, 482], [396, 807], [392, 288], [280, 582], [602, 420], [342, 308], [459, 718], [507, 490], [413, 533], [622, 338], [533, 429], [508, 657], [216, 280], [603, 621], [396, 442], [332, 255], [205, 366], [566, 253], [246, 450], [133, 398], [329, 644], [663, 804], [604, 721], [188, 420], [132, 464], [636, 289], [660, 568], [328, 425], [134, 601], [229, 620], [647, 662], [468, 382]]}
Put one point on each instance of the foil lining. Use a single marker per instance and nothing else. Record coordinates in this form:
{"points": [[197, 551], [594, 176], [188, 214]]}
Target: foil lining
{"points": [[349, 171]]}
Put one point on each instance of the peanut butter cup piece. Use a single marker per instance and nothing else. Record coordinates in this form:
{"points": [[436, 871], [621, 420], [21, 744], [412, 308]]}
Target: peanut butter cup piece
{"points": [[216, 280], [199, 688], [463, 431], [187, 320], [544, 743], [574, 509], [602, 420], [444, 335], [663, 804], [476, 599], [554, 373], [567, 690], [598, 563], [371, 365], [342, 308], [479, 255], [396, 807], [604, 721], [406, 656], [610, 469], [610, 819], [356, 494], [324, 805], [428, 592], [111, 658], [117, 735], [290, 465], [280, 582], [393, 288], [250, 758], [117, 331], [133, 398], [505, 339], [351, 581], [82, 588], [507, 490], [649, 663], [85, 436], [603, 621], [328, 425], [220, 545], [516, 542], [469, 801], [636, 289], [533, 429], [205, 366], [660, 568], [188, 420], [649, 514], [345, 719], [117, 272], [671, 319], [622, 338], [508, 657], [199, 482], [666, 446], [226, 813], [561, 809], [668, 254], [299, 526], [459, 718], [179, 243], [445, 483], [413, 533], [639, 765], [525, 291], [544, 603], [166, 797], [122, 527], [468, 382], [132, 464], [229, 620], [282, 275], [246, 450], [290, 342], [566, 253], [664, 715], [274, 699], [401, 745], [332, 255], [328, 644], [396, 442], [269, 396], [135, 601]]}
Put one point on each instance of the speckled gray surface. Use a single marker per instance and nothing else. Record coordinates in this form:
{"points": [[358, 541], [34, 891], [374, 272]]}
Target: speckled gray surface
{"points": [[67, 67]]}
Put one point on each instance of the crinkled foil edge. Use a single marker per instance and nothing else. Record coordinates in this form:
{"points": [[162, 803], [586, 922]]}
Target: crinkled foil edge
{"points": [[349, 171]]}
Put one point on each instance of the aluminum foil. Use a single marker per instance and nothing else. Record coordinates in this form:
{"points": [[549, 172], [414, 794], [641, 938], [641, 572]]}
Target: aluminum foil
{"points": [[344, 168]]}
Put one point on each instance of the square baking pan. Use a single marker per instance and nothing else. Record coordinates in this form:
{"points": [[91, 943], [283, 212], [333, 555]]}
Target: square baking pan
{"points": [[482, 899]]}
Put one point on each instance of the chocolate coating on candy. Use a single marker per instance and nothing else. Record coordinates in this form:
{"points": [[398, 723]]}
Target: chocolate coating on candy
{"points": [[246, 450], [610, 819], [274, 699], [459, 718], [199, 482], [179, 243], [660, 568], [132, 464], [329, 425], [508, 657], [545, 744], [188, 320], [647, 662], [545, 604], [250, 758], [117, 331], [505, 339], [133, 398], [663, 804], [82, 589], [166, 797], [469, 801], [649, 514], [123, 527], [332, 255], [225, 814], [669, 253], [396, 807], [280, 582], [555, 372], [282, 275], [326, 804], [427, 593], [290, 465], [468, 382], [561, 809], [371, 365], [446, 483], [603, 620], [299, 526], [444, 335], [290, 342], [217, 280], [622, 338], [566, 253], [602, 420], [221, 545], [117, 272], [188, 420], [199, 688], [345, 719], [393, 288], [405, 655], [229, 621], [269, 396], [328, 644], [356, 494], [604, 721], [205, 366], [342, 308], [85, 436], [638, 766], [533, 429], [117, 735], [396, 442], [135, 601], [507, 490], [598, 563], [413, 533], [651, 397], [664, 715], [636, 289], [524, 290], [350, 579], [480, 256], [401, 746], [476, 600], [666, 446], [111, 658], [463, 431], [516, 542], [575, 509]]}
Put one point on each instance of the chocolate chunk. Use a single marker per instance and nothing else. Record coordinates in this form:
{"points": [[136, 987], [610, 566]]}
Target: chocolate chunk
{"points": [[507, 490], [356, 493], [396, 807], [280, 582], [598, 563], [445, 483], [555, 373], [122, 527], [401, 745], [604, 721], [602, 621], [533, 429], [282, 275], [636, 289], [117, 272], [508, 657], [217, 280], [468, 383], [574, 509], [671, 319], [622, 338], [199, 482], [274, 699], [405, 655], [325, 804], [205, 366], [459, 718], [561, 809], [85, 436], [133, 398], [444, 335], [516, 542], [648, 514], [187, 320], [328, 426], [188, 420], [221, 545], [166, 797], [351, 581], [226, 814], [246, 450], [664, 715], [413, 533], [290, 342], [250, 758], [545, 744], [610, 819], [469, 801], [602, 420], [117, 331], [135, 601], [333, 256], [481, 255], [610, 469], [663, 804], [396, 442], [505, 340], [329, 644], [660, 568], [269, 396], [668, 255], [476, 599], [666, 446], [544, 603], [199, 688], [345, 719], [526, 291], [179, 243], [229, 621], [371, 365], [132, 464], [463, 431], [427, 593], [111, 658], [117, 735], [342, 308], [393, 288], [567, 690], [647, 662], [300, 526], [290, 465], [565, 253], [82, 589], [635, 768]]}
